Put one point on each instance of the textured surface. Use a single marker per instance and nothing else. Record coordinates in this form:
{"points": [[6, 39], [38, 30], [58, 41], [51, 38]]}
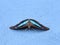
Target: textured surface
{"points": [[46, 12]]}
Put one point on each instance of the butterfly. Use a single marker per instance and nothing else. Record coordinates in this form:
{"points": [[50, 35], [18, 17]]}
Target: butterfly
{"points": [[29, 24]]}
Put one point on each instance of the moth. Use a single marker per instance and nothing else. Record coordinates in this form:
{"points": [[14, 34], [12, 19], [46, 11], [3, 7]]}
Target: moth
{"points": [[29, 24]]}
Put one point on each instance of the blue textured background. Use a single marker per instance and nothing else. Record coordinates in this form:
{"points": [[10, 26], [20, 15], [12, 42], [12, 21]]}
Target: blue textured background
{"points": [[46, 12]]}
